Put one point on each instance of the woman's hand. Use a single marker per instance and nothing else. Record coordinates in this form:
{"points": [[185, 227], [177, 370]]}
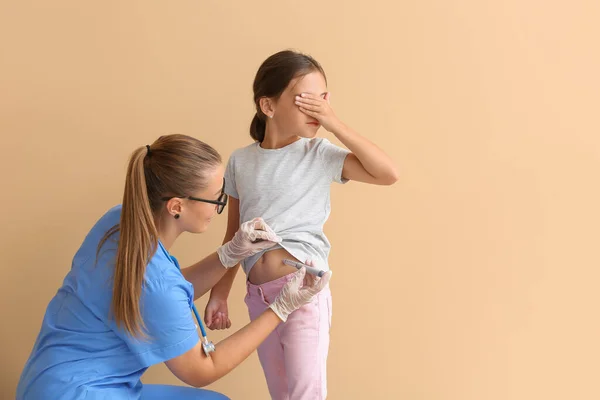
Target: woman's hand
{"points": [[253, 236], [298, 292]]}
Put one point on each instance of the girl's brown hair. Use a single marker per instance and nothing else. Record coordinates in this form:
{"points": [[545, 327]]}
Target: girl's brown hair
{"points": [[273, 76]]}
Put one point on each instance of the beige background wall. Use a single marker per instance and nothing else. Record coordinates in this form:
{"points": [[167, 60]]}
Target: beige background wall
{"points": [[474, 277]]}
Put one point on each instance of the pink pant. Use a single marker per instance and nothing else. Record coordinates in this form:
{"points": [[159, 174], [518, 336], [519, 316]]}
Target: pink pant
{"points": [[294, 356]]}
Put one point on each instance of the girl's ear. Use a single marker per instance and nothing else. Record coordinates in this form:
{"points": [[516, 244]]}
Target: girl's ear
{"points": [[267, 106]]}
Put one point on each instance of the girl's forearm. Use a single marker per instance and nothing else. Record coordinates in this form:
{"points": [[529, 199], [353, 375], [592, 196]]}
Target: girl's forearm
{"points": [[374, 160]]}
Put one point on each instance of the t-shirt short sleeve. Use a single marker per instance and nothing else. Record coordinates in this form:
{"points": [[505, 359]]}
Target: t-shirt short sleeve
{"points": [[170, 329], [333, 158], [230, 186]]}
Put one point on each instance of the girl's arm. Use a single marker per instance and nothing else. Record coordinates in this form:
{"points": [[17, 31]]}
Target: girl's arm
{"points": [[367, 163], [216, 313], [223, 287]]}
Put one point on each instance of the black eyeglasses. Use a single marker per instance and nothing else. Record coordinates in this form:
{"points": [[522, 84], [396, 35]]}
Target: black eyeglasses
{"points": [[221, 202]]}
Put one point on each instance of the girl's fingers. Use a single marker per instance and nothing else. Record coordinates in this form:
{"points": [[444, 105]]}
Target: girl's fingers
{"points": [[309, 106], [309, 112], [308, 100], [312, 96]]}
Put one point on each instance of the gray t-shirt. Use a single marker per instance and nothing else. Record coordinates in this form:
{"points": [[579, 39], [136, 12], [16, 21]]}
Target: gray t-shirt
{"points": [[288, 187]]}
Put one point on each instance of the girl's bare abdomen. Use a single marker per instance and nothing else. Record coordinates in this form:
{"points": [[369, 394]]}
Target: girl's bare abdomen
{"points": [[270, 267]]}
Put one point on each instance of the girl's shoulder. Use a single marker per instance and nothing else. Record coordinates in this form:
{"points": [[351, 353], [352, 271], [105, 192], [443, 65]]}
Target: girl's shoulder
{"points": [[240, 151]]}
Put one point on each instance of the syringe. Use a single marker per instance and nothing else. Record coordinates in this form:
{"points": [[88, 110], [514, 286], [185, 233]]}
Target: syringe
{"points": [[309, 269]]}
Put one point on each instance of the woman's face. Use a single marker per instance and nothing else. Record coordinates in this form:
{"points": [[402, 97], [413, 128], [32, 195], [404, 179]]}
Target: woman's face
{"points": [[197, 215]]}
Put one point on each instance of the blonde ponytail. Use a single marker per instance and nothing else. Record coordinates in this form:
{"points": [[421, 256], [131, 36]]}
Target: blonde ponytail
{"points": [[137, 243]]}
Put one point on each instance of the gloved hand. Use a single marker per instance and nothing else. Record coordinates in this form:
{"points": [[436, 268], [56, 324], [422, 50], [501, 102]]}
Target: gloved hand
{"points": [[253, 236], [298, 292]]}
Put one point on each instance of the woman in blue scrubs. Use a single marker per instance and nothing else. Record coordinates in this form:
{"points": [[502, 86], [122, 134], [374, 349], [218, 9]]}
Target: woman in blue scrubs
{"points": [[125, 304]]}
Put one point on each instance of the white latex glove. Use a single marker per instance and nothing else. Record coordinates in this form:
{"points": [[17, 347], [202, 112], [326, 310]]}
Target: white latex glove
{"points": [[253, 236], [298, 292]]}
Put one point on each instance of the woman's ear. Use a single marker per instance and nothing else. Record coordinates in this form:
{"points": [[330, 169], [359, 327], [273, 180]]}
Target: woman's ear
{"points": [[174, 206]]}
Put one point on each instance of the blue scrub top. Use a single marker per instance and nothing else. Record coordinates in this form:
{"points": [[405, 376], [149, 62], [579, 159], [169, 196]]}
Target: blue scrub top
{"points": [[80, 353]]}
